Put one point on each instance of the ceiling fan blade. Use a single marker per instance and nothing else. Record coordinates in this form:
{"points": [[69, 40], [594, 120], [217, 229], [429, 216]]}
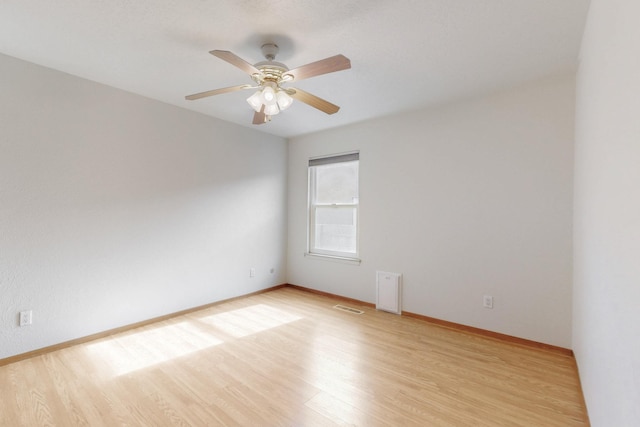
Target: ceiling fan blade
{"points": [[216, 92], [314, 101], [324, 66], [259, 118], [234, 59]]}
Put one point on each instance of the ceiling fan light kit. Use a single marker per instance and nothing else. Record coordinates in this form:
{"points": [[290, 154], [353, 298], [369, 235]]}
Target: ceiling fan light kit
{"points": [[271, 97]]}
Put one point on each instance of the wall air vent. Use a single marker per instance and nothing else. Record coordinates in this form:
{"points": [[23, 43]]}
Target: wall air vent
{"points": [[389, 292]]}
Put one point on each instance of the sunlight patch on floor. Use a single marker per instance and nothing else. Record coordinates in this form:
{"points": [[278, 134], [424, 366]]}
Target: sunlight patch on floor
{"points": [[143, 349], [249, 320], [133, 351]]}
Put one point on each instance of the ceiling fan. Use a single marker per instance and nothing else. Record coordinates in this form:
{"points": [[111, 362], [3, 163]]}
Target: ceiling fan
{"points": [[270, 76]]}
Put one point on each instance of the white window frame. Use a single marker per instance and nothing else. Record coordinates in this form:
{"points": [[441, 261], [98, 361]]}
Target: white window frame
{"points": [[312, 250]]}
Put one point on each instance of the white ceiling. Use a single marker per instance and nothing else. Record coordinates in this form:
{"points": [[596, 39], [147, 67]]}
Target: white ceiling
{"points": [[405, 54]]}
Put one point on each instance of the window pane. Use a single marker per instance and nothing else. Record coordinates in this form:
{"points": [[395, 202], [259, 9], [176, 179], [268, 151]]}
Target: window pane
{"points": [[336, 229], [337, 183]]}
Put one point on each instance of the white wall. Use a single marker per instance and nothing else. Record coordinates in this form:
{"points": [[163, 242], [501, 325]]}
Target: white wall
{"points": [[115, 208], [465, 200], [606, 331]]}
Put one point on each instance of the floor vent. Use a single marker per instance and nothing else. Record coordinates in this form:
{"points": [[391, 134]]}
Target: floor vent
{"points": [[348, 309]]}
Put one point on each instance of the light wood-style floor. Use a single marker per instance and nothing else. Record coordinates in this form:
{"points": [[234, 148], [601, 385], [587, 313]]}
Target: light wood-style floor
{"points": [[288, 358]]}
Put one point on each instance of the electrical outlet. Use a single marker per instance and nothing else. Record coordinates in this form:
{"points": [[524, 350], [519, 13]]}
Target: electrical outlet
{"points": [[26, 317], [487, 301], [252, 272]]}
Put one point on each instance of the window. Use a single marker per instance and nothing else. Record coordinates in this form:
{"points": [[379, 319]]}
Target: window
{"points": [[333, 206]]}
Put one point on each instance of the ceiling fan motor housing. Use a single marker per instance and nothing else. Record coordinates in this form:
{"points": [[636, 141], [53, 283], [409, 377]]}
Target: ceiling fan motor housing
{"points": [[271, 71]]}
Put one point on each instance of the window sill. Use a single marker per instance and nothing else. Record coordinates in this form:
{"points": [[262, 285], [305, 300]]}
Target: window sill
{"points": [[342, 260]]}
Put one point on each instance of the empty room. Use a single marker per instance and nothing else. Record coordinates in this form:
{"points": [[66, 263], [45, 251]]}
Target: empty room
{"points": [[320, 213]]}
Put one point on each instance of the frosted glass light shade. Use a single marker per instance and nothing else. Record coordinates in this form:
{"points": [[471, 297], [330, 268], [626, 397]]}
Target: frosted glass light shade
{"points": [[255, 101], [268, 96], [271, 110], [284, 100]]}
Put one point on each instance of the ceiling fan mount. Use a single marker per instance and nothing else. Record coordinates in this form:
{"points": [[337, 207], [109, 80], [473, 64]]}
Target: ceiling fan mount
{"points": [[269, 51], [269, 75]]}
